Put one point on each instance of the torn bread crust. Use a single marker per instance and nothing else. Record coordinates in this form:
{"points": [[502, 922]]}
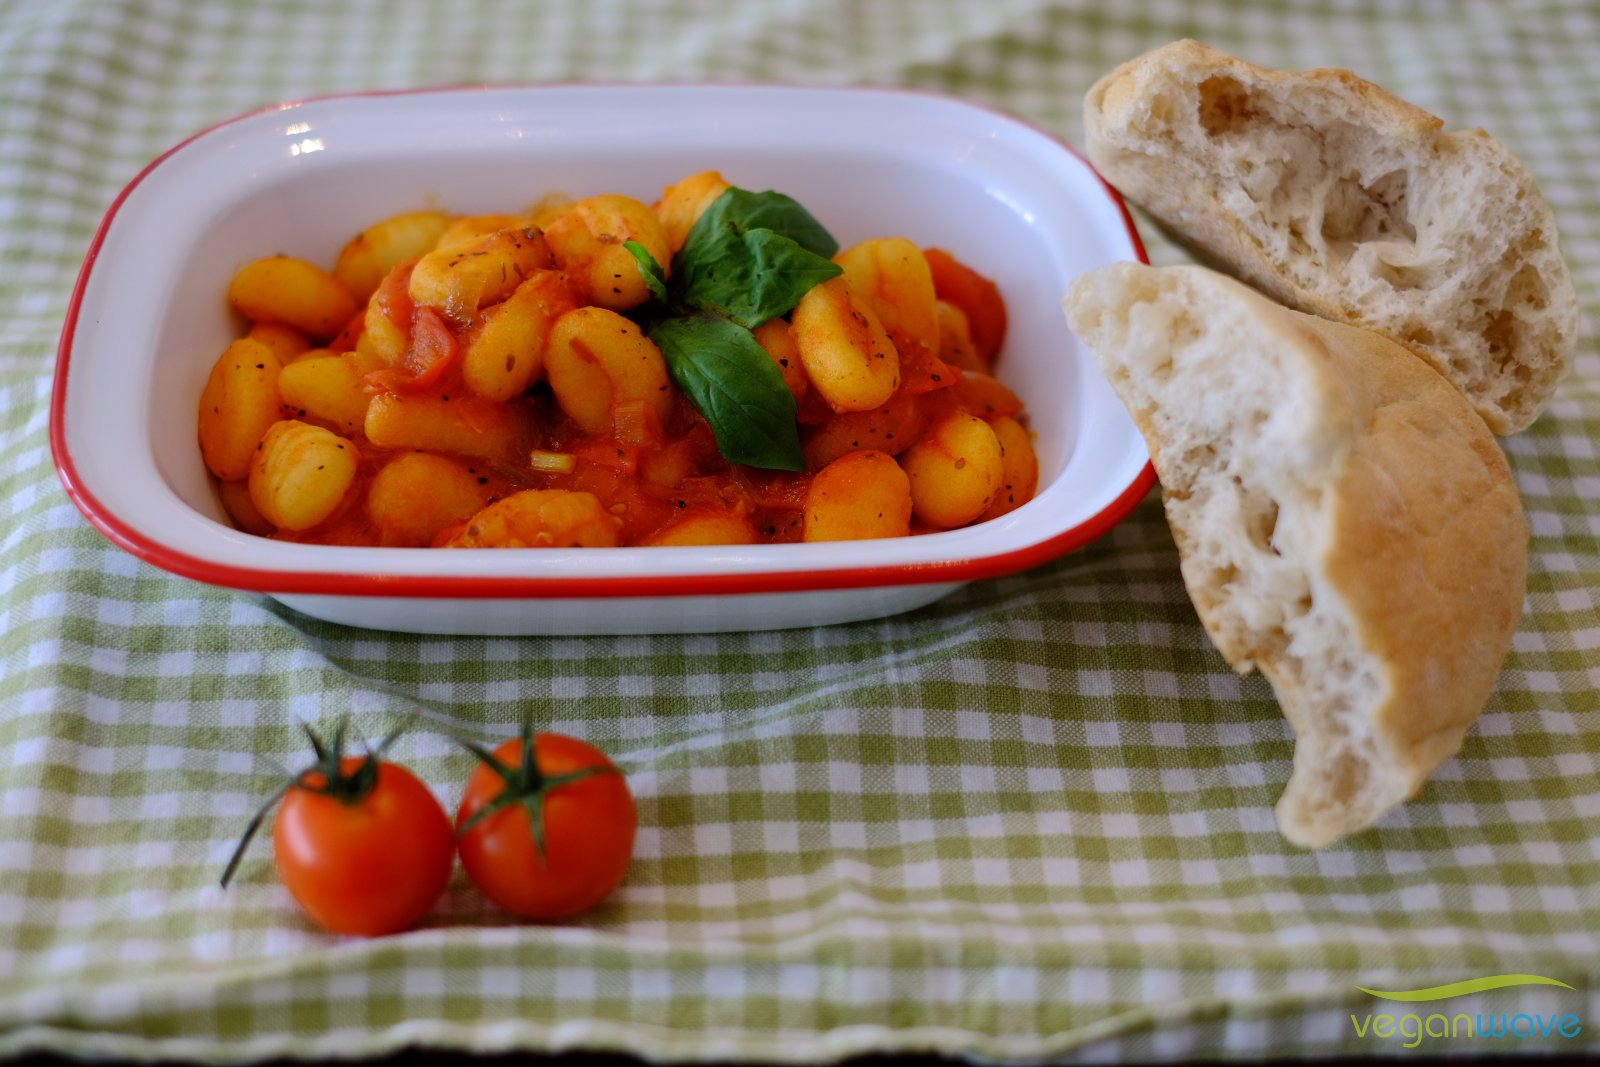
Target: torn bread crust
{"points": [[1344, 201], [1344, 523]]}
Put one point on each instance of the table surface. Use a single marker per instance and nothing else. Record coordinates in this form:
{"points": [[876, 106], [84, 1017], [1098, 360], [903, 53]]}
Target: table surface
{"points": [[1033, 820]]}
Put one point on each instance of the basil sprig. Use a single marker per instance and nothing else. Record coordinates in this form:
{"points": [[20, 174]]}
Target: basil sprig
{"points": [[749, 258]]}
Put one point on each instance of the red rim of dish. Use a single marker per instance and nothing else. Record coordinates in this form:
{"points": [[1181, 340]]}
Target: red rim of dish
{"points": [[127, 537]]}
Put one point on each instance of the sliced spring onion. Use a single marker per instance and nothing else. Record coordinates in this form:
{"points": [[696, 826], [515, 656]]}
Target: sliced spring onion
{"points": [[552, 462]]}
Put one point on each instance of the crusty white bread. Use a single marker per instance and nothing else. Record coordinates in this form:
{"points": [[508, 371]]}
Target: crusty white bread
{"points": [[1339, 199], [1344, 522]]}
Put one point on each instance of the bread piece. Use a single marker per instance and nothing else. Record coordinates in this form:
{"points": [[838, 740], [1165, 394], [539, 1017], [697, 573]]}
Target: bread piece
{"points": [[1339, 199], [1344, 521]]}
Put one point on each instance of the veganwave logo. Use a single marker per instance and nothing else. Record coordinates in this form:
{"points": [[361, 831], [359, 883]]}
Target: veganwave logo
{"points": [[1413, 1028]]}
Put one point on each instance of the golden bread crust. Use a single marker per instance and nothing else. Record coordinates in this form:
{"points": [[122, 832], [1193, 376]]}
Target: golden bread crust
{"points": [[1344, 520], [1427, 546], [1338, 198]]}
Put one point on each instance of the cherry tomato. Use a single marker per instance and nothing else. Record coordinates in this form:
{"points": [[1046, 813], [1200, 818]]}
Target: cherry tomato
{"points": [[372, 866], [433, 348], [573, 854], [975, 295], [360, 843], [431, 351]]}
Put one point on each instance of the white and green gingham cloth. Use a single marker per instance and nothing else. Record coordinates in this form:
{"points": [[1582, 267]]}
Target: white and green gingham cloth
{"points": [[1031, 821]]}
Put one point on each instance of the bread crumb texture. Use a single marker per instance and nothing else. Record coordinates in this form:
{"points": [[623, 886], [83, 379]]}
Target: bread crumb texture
{"points": [[1345, 524], [1344, 201]]}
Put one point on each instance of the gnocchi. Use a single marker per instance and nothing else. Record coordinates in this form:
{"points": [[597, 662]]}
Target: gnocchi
{"points": [[293, 292], [300, 474], [458, 279], [682, 204], [845, 351], [955, 469], [418, 494], [890, 275], [859, 496], [588, 240], [326, 389], [238, 405], [597, 362], [504, 350], [378, 249], [541, 518], [486, 381]]}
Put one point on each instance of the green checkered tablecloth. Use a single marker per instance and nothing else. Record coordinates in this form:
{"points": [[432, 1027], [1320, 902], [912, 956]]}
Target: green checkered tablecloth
{"points": [[1032, 820]]}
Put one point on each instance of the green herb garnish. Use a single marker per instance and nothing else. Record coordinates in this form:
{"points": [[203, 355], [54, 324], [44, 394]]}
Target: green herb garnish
{"points": [[749, 258]]}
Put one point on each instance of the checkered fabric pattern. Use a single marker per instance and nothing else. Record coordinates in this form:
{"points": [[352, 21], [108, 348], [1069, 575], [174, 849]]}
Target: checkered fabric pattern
{"points": [[1031, 821]]}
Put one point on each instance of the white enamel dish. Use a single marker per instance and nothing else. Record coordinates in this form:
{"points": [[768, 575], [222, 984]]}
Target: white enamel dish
{"points": [[148, 319]]}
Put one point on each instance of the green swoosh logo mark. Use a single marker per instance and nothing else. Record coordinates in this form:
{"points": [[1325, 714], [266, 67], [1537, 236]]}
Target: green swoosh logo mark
{"points": [[1457, 989]]}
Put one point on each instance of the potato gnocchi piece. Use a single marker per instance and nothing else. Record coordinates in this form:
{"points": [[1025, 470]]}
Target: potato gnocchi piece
{"points": [[1019, 468], [596, 361], [671, 464], [467, 228], [418, 494], [588, 239], [381, 247], [503, 353], [859, 496], [847, 355], [286, 342], [326, 389], [238, 404], [978, 394], [955, 470], [956, 346], [706, 526], [682, 204], [776, 339], [300, 474], [458, 425], [235, 497], [292, 291], [456, 280], [541, 518], [892, 428], [549, 207], [890, 276]]}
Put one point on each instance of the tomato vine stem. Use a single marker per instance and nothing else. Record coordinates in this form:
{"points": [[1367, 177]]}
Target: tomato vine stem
{"points": [[325, 776], [525, 785]]}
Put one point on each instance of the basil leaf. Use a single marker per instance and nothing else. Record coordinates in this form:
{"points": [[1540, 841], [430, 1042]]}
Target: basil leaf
{"points": [[740, 210], [649, 270], [749, 258], [749, 277], [727, 375]]}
